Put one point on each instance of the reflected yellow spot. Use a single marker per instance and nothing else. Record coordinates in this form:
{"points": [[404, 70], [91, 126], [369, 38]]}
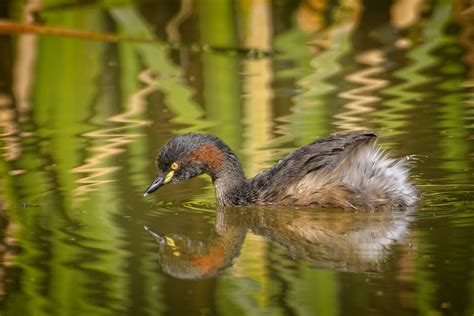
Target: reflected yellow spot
{"points": [[170, 242]]}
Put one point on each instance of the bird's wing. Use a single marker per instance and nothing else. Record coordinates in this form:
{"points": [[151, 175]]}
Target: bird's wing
{"points": [[321, 155]]}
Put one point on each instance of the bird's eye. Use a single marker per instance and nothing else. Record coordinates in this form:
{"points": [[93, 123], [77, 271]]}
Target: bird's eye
{"points": [[174, 166]]}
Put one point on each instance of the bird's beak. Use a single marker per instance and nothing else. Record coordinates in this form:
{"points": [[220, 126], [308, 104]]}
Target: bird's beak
{"points": [[159, 237], [162, 178], [162, 239]]}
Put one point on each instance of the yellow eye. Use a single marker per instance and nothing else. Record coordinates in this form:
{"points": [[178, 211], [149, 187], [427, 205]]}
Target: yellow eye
{"points": [[174, 166]]}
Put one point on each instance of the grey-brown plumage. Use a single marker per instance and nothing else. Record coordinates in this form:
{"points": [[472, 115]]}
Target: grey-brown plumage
{"points": [[359, 242], [343, 170]]}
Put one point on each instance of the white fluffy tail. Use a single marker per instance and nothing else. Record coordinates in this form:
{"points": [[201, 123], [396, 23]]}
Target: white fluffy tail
{"points": [[380, 179]]}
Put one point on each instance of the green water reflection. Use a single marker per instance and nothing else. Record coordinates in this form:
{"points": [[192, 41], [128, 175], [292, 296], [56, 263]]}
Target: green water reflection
{"points": [[81, 120]]}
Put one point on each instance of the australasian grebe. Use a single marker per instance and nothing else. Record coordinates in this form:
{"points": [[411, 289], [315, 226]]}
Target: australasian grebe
{"points": [[343, 170]]}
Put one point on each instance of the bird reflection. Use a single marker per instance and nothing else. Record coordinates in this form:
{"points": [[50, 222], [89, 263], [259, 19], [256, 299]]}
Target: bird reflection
{"points": [[329, 239]]}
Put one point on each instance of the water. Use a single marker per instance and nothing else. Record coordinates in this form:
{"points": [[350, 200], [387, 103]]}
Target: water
{"points": [[81, 119]]}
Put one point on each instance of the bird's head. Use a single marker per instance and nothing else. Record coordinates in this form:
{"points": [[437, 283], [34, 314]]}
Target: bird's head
{"points": [[186, 156]]}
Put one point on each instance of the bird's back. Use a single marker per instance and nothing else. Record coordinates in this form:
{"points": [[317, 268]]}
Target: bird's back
{"points": [[343, 170]]}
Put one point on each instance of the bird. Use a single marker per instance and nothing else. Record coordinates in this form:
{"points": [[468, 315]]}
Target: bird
{"points": [[330, 239], [345, 170]]}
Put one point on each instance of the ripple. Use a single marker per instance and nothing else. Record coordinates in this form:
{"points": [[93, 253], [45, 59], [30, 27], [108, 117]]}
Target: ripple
{"points": [[115, 139], [362, 98]]}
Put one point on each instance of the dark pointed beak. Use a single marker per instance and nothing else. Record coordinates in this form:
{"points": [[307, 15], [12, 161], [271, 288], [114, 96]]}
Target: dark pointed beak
{"points": [[155, 185], [159, 238]]}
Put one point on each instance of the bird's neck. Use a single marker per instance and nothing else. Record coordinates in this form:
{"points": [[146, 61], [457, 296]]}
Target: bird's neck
{"points": [[229, 181]]}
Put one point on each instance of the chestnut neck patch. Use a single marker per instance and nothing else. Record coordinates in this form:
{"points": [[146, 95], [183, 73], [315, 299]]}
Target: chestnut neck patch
{"points": [[208, 154]]}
